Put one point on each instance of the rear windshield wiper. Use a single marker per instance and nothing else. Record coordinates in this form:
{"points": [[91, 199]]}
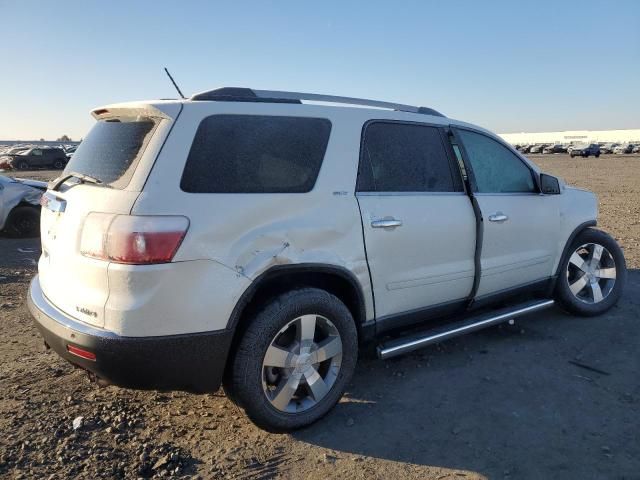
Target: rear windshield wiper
{"points": [[55, 184]]}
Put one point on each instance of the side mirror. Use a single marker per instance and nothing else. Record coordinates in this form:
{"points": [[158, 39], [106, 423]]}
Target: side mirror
{"points": [[549, 184]]}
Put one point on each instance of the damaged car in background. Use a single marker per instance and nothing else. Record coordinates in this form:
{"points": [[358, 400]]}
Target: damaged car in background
{"points": [[20, 206]]}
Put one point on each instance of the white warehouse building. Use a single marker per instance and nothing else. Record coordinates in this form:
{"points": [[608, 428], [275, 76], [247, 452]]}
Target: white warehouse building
{"points": [[574, 136]]}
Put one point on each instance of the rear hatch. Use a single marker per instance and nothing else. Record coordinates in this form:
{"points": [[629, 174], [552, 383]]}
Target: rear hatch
{"points": [[106, 174]]}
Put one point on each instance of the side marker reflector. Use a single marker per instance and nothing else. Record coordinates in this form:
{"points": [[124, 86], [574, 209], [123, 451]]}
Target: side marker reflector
{"points": [[79, 352]]}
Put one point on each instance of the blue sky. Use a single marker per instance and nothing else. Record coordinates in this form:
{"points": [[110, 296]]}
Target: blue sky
{"points": [[505, 65]]}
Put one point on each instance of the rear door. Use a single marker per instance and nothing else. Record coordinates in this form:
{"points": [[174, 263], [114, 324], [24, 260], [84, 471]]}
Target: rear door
{"points": [[419, 225], [520, 226]]}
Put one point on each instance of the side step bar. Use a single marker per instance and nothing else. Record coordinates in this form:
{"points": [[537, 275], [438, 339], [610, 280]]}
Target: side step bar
{"points": [[403, 345]]}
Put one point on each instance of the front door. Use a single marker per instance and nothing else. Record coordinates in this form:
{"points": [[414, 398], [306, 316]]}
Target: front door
{"points": [[520, 237], [419, 225]]}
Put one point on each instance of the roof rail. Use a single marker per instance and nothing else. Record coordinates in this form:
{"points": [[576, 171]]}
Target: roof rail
{"points": [[234, 94]]}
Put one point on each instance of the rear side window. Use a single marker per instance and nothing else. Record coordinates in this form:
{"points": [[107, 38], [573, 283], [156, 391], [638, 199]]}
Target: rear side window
{"points": [[111, 150], [496, 168], [256, 154], [398, 157]]}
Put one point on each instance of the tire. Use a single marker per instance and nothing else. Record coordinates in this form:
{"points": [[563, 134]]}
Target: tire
{"points": [[597, 155], [578, 273], [23, 165], [58, 164], [255, 386], [23, 221]]}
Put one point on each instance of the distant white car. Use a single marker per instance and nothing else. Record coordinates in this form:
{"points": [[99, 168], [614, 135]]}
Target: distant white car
{"points": [[20, 206], [623, 149], [249, 238]]}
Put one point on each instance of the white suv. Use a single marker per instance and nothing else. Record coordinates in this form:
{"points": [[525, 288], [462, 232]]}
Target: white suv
{"points": [[256, 238]]}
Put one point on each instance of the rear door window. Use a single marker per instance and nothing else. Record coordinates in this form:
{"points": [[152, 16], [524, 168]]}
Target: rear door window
{"points": [[112, 149], [256, 154], [403, 157]]}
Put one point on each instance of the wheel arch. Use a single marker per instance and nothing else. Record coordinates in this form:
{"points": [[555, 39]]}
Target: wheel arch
{"points": [[567, 251], [280, 278]]}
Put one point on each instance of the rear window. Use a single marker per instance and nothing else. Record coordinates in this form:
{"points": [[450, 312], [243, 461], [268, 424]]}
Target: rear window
{"points": [[256, 154], [111, 150]]}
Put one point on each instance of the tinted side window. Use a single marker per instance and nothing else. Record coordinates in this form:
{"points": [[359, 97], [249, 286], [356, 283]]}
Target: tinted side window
{"points": [[495, 167], [398, 157], [255, 154]]}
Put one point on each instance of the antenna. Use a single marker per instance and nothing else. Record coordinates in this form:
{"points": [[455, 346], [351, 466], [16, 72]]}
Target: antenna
{"points": [[174, 82]]}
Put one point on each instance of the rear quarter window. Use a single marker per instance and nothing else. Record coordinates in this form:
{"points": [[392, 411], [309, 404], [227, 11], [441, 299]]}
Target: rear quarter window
{"points": [[256, 154]]}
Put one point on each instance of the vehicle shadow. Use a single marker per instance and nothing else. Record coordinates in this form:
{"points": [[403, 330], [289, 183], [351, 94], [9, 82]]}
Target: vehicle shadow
{"points": [[554, 396]]}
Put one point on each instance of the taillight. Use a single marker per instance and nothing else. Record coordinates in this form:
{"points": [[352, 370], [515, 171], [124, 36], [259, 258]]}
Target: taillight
{"points": [[132, 239]]}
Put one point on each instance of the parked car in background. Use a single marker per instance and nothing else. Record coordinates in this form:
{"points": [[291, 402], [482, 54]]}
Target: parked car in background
{"points": [[557, 148], [537, 148], [608, 147], [621, 149], [636, 149], [69, 150], [524, 148], [35, 157], [340, 225], [586, 151], [20, 206], [16, 149]]}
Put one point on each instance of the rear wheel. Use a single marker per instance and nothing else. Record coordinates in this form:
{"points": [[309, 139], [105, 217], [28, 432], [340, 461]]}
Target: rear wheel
{"points": [[58, 164], [294, 360], [23, 221], [593, 275]]}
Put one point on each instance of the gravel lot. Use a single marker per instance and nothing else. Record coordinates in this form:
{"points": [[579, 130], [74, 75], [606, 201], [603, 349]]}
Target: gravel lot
{"points": [[509, 402]]}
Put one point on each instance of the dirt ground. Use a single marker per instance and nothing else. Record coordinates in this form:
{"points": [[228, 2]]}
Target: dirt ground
{"points": [[503, 403]]}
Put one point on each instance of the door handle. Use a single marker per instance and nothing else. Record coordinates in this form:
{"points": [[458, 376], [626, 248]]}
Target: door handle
{"points": [[498, 217], [386, 223]]}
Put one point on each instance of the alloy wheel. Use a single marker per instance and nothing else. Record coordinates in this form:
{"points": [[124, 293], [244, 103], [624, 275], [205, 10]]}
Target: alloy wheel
{"points": [[591, 273], [302, 363]]}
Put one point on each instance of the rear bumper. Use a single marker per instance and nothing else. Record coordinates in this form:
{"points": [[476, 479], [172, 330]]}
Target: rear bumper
{"points": [[192, 362]]}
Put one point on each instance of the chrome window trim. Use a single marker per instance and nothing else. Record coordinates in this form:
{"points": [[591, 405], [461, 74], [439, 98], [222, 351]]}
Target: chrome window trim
{"points": [[408, 194], [507, 194]]}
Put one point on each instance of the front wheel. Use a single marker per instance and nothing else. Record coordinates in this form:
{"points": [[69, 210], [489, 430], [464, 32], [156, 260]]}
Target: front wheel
{"points": [[593, 275], [294, 360]]}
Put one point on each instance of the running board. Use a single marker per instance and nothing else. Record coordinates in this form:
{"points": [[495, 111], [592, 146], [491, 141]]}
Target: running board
{"points": [[403, 345]]}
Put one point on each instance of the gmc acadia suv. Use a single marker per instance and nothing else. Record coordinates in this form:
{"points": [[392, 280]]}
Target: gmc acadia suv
{"points": [[252, 239]]}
